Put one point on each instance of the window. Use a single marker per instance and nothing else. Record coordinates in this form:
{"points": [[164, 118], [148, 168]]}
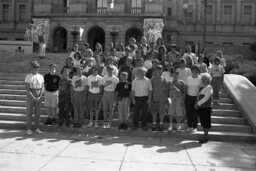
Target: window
{"points": [[209, 14], [22, 12], [188, 15], [247, 15], [227, 18], [6, 13], [102, 6], [169, 11], [136, 7]]}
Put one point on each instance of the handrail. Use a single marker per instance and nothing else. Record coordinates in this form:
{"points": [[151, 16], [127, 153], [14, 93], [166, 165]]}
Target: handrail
{"points": [[244, 95]]}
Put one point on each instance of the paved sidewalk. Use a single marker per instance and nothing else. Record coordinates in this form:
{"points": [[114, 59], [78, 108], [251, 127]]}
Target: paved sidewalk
{"points": [[76, 151]]}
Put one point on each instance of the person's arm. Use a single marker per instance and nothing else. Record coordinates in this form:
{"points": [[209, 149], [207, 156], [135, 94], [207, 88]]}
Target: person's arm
{"points": [[133, 91], [207, 95], [41, 93], [29, 92], [149, 92]]}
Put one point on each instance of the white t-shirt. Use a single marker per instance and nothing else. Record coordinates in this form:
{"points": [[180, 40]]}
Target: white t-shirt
{"points": [[94, 83], [105, 72], [184, 74], [194, 85], [110, 83], [79, 83], [35, 81], [167, 75]]}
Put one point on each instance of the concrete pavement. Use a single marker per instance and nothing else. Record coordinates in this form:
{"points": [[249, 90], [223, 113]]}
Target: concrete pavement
{"points": [[78, 151]]}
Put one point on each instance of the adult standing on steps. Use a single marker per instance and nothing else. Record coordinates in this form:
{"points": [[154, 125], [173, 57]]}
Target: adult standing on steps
{"points": [[204, 105], [34, 83], [51, 93]]}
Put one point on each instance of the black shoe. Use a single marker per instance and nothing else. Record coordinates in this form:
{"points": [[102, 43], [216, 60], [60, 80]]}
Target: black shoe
{"points": [[54, 120], [67, 124], [154, 127], [161, 127], [60, 124], [77, 125], [48, 121], [204, 140], [121, 126], [125, 126]]}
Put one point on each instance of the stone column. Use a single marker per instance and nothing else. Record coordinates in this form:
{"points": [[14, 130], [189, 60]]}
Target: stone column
{"points": [[180, 10], [218, 11], [238, 11]]}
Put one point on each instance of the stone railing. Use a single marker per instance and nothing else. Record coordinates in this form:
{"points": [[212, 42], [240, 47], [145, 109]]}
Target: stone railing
{"points": [[244, 95]]}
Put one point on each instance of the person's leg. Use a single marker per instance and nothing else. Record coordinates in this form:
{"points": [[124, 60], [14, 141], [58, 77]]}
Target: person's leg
{"points": [[179, 112], [37, 113], [189, 108], [136, 112], [144, 112], [81, 108], [214, 87], [105, 106], [62, 104], [76, 107], [30, 106], [121, 110], [218, 87], [171, 113], [126, 107], [194, 113], [112, 100]]}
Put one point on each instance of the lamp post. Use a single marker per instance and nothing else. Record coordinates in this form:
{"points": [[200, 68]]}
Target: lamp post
{"points": [[113, 34], [75, 33], [204, 28]]}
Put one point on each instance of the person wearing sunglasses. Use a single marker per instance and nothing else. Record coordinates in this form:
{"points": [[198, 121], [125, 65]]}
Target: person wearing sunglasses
{"points": [[34, 84]]}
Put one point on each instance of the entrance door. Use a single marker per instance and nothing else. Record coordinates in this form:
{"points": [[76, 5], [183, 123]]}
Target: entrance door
{"points": [[133, 32], [96, 35], [60, 40]]}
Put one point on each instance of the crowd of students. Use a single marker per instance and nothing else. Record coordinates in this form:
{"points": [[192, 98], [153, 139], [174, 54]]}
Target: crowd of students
{"points": [[145, 77]]}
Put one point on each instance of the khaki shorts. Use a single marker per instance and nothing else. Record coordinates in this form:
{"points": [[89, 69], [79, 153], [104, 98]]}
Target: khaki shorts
{"points": [[157, 107], [93, 101], [51, 99]]}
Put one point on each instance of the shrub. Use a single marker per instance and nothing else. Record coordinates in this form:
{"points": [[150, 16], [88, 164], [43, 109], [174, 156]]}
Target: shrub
{"points": [[241, 66]]}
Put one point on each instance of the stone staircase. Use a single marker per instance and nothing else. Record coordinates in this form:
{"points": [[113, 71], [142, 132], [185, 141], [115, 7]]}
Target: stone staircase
{"points": [[227, 121]]}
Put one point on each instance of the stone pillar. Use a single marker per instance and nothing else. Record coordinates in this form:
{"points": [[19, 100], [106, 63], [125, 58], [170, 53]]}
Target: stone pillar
{"points": [[218, 11], [180, 10], [238, 11], [199, 10]]}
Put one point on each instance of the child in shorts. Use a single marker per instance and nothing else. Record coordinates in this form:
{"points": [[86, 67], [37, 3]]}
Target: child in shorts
{"points": [[176, 101], [159, 90], [123, 93], [109, 82], [64, 97], [94, 96]]}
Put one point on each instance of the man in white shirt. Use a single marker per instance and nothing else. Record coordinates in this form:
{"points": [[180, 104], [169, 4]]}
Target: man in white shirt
{"points": [[141, 97], [192, 55]]}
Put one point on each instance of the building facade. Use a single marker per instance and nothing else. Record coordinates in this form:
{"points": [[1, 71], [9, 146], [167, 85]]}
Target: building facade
{"points": [[229, 22]]}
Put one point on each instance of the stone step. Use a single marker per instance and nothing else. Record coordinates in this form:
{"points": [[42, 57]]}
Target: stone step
{"points": [[224, 95], [12, 87], [229, 128], [13, 103], [225, 106], [226, 112], [16, 109], [214, 135], [6, 82], [12, 78], [228, 120], [12, 97], [19, 117], [225, 100], [12, 92]]}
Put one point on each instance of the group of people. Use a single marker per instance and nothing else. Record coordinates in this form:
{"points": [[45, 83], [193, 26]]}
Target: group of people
{"points": [[145, 77]]}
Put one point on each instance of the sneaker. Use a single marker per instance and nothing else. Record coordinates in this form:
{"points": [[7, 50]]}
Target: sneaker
{"points": [[154, 127], [96, 125], [190, 129], [194, 130], [104, 125], [161, 127], [170, 127], [125, 127], [48, 121], [38, 131], [29, 132], [179, 128], [121, 126], [89, 125], [109, 125]]}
